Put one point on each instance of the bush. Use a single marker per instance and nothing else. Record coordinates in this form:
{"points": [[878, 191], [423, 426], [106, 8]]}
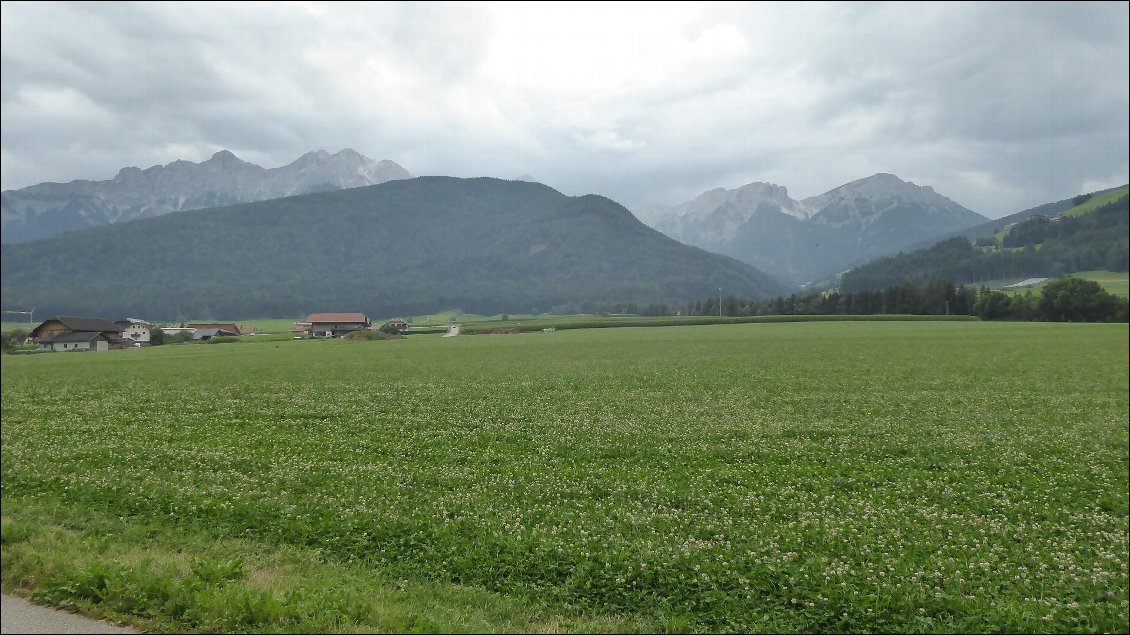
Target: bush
{"points": [[364, 336], [1077, 300], [14, 340]]}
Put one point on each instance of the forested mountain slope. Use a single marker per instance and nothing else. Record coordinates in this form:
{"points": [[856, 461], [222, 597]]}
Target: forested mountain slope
{"points": [[406, 246], [1036, 247]]}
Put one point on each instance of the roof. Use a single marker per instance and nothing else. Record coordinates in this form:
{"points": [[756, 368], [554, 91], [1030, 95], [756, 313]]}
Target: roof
{"points": [[336, 317], [78, 336], [1024, 283], [78, 323], [236, 329], [210, 332], [134, 321]]}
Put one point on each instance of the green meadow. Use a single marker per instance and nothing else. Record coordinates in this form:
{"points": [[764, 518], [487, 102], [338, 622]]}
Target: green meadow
{"points": [[1113, 282], [1096, 202], [783, 477]]}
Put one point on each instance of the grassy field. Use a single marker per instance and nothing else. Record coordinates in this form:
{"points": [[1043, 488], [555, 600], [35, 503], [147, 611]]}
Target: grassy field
{"points": [[1115, 282], [803, 477]]}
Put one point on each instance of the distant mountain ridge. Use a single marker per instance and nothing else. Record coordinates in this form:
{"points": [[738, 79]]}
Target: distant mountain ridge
{"points": [[47, 209], [815, 238], [402, 247], [991, 227], [1082, 234]]}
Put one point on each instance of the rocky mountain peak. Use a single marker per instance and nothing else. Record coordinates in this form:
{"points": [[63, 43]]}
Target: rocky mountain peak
{"points": [[881, 186], [46, 209], [350, 153], [313, 156], [816, 237], [743, 202]]}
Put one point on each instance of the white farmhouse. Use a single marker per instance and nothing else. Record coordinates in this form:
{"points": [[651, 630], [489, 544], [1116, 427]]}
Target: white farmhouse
{"points": [[136, 330]]}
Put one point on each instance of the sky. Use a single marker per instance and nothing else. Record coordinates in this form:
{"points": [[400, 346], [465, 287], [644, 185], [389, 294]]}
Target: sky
{"points": [[998, 106]]}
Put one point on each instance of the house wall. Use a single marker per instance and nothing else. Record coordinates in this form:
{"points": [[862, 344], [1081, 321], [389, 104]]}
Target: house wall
{"points": [[136, 332], [337, 328], [51, 329], [78, 346]]}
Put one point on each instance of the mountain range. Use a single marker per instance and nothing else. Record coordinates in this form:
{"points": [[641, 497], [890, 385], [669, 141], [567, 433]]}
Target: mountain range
{"points": [[815, 238], [325, 222], [401, 247], [48, 209]]}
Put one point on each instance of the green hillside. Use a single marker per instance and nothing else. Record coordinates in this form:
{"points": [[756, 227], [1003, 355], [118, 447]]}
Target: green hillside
{"points": [[1096, 201], [1094, 238], [400, 248], [996, 226]]}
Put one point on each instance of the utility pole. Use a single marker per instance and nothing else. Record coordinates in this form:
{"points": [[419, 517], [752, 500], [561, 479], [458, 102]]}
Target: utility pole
{"points": [[719, 301]]}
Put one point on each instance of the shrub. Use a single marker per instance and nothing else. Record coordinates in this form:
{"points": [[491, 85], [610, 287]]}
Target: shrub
{"points": [[1077, 300], [364, 336]]}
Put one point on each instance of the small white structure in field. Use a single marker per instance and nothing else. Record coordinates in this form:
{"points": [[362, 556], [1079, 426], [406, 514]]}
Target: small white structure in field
{"points": [[1024, 283]]}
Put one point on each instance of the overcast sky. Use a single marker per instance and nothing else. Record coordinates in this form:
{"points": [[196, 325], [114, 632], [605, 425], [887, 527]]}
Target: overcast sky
{"points": [[999, 106]]}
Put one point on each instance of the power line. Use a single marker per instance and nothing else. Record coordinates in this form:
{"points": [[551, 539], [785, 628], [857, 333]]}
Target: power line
{"points": [[29, 313]]}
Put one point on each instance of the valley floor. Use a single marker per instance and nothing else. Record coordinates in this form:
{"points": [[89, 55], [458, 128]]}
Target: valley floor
{"points": [[768, 477]]}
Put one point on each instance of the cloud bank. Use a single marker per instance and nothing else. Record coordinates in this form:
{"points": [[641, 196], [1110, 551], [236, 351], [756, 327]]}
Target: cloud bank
{"points": [[999, 106]]}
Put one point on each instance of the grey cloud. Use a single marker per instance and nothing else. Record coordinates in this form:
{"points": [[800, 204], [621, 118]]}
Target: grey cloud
{"points": [[997, 105]]}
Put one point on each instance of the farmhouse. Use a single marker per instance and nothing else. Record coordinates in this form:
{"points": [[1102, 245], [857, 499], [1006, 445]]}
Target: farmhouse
{"points": [[324, 325], [206, 334], [402, 327], [231, 328], [79, 341], [135, 330], [74, 333]]}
